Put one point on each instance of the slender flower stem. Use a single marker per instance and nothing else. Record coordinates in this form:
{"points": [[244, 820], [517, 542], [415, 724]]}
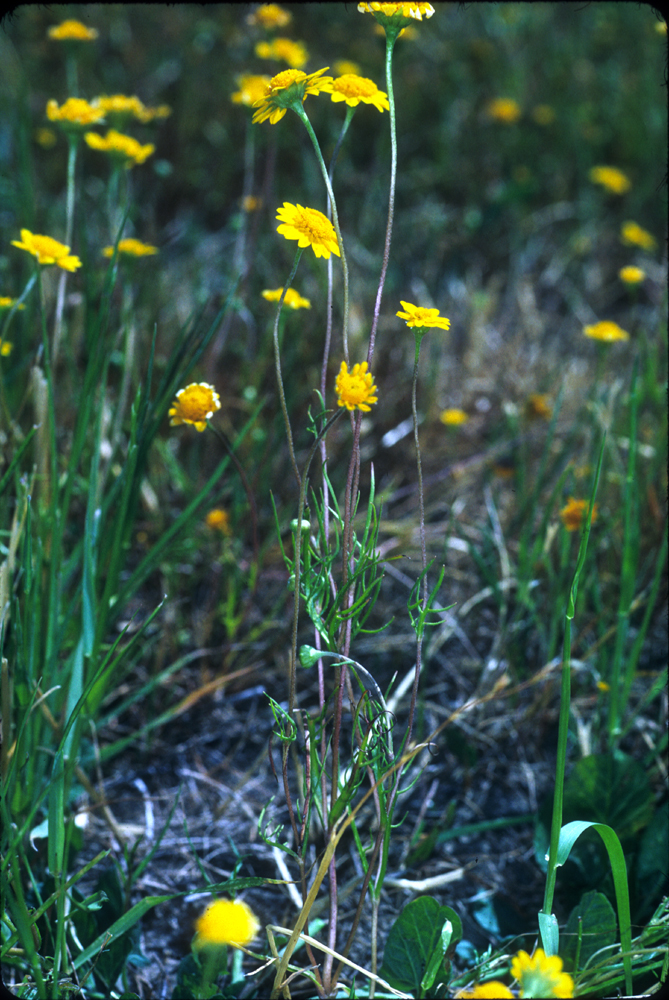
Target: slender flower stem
{"points": [[423, 548], [73, 142], [277, 366]]}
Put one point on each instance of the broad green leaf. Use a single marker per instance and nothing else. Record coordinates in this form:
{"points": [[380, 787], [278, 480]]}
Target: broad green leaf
{"points": [[594, 920], [412, 942], [611, 789]]}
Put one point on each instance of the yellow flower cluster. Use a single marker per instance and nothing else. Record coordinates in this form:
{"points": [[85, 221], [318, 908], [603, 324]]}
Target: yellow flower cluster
{"points": [[283, 50], [122, 106], [121, 147], [355, 389], [47, 250], [309, 227], [538, 975], [292, 298]]}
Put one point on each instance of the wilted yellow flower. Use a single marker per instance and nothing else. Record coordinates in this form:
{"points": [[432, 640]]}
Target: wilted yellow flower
{"points": [[573, 515], [46, 137], [227, 921], [5, 348], [453, 417], [131, 247], [633, 235], [631, 275], [285, 89], [47, 250], [251, 89], [344, 66], [606, 330], [219, 520], [493, 989], [504, 109], [6, 303], [119, 146], [309, 227], [194, 405], [72, 31], [283, 50], [398, 10], [353, 89], [270, 15], [543, 114], [541, 975], [418, 317], [292, 298], [611, 178], [537, 405], [355, 389], [74, 113]]}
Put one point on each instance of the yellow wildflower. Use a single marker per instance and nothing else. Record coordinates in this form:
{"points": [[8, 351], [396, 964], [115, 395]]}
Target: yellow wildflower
{"points": [[292, 299], [633, 235], [270, 15], [6, 302], [119, 104], [603, 687], [119, 146], [47, 250], [344, 66], [418, 317], [5, 348], [606, 330], [504, 109], [219, 520], [631, 275], [541, 975], [227, 921], [194, 405], [131, 247], [287, 88], [493, 989], [355, 389], [573, 514], [75, 113], [537, 405], [72, 31], [453, 417], [251, 89], [283, 50], [398, 10], [611, 178], [353, 89], [543, 114], [309, 227]]}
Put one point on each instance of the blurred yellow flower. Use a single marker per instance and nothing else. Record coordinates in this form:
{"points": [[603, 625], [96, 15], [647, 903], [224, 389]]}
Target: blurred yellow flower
{"points": [[194, 405], [414, 10], [120, 147], [74, 112], [47, 250], [572, 516], [131, 247], [537, 405], [292, 299], [493, 989], [6, 302], [353, 89], [283, 50], [148, 114], [543, 114], [270, 15], [46, 137], [309, 227], [72, 31], [344, 66], [603, 686], [633, 235], [631, 275], [453, 417], [419, 317], [250, 203], [119, 104], [251, 89], [541, 975], [503, 109], [219, 520], [611, 178], [355, 389], [226, 921], [5, 348], [607, 331], [285, 89]]}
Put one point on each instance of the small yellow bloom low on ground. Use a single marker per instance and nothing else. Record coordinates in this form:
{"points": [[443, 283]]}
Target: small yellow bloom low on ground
{"points": [[492, 990], [541, 975], [573, 514], [537, 406], [355, 389], [219, 520], [47, 250], [227, 922], [195, 405], [453, 417]]}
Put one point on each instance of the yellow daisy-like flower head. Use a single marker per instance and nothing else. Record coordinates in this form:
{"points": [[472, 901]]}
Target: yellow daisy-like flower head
{"points": [[194, 405], [453, 417], [572, 516], [607, 331], [75, 114], [541, 975], [283, 50], [251, 89], [219, 520], [355, 389], [494, 990], [633, 235], [227, 921], [353, 89], [537, 406], [503, 109], [420, 318], [288, 90], [396, 15], [631, 275], [72, 31], [270, 15], [309, 227], [132, 248], [292, 299], [611, 178], [47, 250], [121, 147]]}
